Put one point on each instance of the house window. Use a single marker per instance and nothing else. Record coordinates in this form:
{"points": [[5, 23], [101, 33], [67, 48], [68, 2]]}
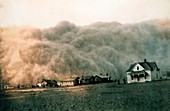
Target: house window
{"points": [[137, 68]]}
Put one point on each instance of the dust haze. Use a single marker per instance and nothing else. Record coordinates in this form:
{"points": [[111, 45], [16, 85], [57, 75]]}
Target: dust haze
{"points": [[29, 54]]}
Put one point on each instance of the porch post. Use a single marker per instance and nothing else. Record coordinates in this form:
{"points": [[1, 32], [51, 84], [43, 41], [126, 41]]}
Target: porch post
{"points": [[138, 77]]}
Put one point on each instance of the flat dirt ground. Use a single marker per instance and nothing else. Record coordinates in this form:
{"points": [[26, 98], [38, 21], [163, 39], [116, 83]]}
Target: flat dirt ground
{"points": [[150, 96]]}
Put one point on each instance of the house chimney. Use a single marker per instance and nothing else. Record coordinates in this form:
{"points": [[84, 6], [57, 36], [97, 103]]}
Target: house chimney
{"points": [[145, 60]]}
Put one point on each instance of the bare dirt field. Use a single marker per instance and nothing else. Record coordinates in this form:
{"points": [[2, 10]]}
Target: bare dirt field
{"points": [[150, 96]]}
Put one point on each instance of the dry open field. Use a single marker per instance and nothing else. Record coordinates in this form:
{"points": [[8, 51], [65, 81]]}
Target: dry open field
{"points": [[150, 96]]}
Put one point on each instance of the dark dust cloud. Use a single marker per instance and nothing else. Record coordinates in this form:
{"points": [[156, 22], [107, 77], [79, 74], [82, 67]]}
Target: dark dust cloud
{"points": [[28, 54]]}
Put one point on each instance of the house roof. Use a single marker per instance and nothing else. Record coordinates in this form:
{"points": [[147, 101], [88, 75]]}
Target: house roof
{"points": [[131, 67], [146, 65]]}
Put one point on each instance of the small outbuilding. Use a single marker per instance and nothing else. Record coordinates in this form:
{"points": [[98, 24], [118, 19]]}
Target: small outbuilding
{"points": [[47, 83], [72, 81], [87, 80], [102, 79]]}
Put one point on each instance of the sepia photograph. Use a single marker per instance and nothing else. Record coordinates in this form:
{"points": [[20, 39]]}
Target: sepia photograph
{"points": [[84, 55]]}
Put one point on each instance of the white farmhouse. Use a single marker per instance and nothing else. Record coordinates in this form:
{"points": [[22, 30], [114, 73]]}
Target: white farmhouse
{"points": [[142, 72]]}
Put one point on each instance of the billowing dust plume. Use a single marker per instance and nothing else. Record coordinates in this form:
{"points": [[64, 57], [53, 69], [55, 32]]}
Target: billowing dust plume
{"points": [[28, 55]]}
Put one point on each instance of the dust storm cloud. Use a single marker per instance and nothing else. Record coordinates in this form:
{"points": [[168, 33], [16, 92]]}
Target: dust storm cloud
{"points": [[28, 54]]}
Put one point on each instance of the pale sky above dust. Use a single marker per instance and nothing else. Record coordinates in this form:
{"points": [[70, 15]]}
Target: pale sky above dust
{"points": [[47, 13]]}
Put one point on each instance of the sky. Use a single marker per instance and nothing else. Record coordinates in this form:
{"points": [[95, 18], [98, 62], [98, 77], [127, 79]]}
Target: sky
{"points": [[47, 13]]}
